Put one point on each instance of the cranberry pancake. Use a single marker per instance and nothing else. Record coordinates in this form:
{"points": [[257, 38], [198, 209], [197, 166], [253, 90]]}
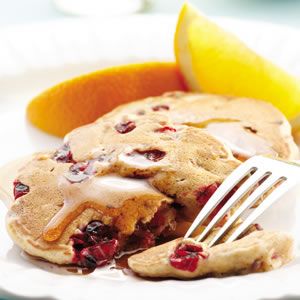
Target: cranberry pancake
{"points": [[91, 199], [249, 127]]}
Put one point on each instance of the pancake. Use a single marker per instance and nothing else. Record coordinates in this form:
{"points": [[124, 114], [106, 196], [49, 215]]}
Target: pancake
{"points": [[259, 251], [249, 127], [127, 181], [122, 183]]}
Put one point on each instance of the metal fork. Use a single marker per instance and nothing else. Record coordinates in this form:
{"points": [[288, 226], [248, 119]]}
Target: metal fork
{"points": [[253, 179]]}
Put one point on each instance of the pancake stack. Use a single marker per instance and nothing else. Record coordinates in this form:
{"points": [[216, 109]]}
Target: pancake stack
{"points": [[127, 181]]}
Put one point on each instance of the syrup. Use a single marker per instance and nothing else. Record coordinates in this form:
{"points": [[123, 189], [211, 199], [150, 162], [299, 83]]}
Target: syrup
{"points": [[121, 264]]}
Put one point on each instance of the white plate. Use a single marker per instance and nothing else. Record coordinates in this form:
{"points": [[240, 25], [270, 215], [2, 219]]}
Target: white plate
{"points": [[34, 57]]}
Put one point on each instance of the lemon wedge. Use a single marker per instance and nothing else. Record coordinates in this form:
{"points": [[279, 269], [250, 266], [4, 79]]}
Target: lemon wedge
{"points": [[215, 61]]}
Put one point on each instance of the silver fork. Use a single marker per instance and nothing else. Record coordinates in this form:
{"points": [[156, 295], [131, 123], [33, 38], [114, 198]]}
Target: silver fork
{"points": [[255, 177]]}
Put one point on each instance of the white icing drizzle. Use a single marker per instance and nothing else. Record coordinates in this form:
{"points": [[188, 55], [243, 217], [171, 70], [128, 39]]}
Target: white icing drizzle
{"points": [[139, 161], [239, 140], [108, 191]]}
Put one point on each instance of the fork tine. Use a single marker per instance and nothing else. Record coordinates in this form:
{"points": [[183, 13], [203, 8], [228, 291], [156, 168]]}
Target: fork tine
{"points": [[251, 200], [229, 183], [267, 202], [236, 197]]}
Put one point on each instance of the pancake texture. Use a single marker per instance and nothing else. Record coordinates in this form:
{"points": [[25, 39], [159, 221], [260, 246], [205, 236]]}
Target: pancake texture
{"points": [[259, 251]]}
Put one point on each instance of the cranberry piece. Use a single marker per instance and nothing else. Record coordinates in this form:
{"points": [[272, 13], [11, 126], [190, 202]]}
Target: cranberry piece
{"points": [[87, 260], [165, 128], [153, 155], [20, 189], [160, 107], [258, 227], [125, 127], [99, 255], [205, 192], [78, 172], [146, 239], [142, 238], [158, 219], [93, 233], [64, 154], [79, 167], [95, 245], [186, 257], [96, 228], [79, 241]]}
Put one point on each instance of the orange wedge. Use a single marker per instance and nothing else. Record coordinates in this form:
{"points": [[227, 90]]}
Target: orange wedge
{"points": [[83, 99]]}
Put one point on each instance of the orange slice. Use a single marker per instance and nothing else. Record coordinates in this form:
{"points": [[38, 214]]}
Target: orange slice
{"points": [[83, 99]]}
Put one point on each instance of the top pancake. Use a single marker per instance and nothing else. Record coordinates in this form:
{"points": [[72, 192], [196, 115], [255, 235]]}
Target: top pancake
{"points": [[257, 127]]}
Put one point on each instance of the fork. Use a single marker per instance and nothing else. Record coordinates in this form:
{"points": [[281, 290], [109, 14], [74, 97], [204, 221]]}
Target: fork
{"points": [[253, 179]]}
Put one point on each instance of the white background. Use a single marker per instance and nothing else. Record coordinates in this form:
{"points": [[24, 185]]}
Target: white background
{"points": [[276, 11]]}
